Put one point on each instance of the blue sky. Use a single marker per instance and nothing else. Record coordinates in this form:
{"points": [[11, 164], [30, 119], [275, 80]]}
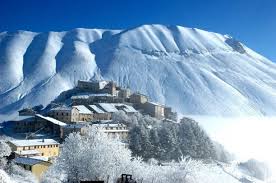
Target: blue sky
{"points": [[253, 22]]}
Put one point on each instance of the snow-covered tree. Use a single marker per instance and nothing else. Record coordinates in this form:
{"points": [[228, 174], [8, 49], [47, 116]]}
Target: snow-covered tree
{"points": [[96, 157], [151, 138], [93, 156], [4, 177], [19, 174], [5, 151]]}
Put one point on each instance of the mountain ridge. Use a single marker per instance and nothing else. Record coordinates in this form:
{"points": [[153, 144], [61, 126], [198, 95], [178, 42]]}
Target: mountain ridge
{"points": [[192, 70]]}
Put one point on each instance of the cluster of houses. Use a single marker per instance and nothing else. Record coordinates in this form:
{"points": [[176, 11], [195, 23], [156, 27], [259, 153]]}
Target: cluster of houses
{"points": [[94, 105]]}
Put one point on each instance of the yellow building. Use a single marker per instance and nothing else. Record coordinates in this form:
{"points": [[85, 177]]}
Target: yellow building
{"points": [[47, 147], [36, 166]]}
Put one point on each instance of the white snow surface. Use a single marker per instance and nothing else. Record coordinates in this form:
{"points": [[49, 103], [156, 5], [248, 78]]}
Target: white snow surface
{"points": [[194, 71], [34, 142]]}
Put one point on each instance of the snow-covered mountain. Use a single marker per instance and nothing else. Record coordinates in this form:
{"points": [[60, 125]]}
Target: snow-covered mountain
{"points": [[195, 71]]}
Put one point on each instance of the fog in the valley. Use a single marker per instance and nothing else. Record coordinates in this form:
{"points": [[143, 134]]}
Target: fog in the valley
{"points": [[246, 137]]}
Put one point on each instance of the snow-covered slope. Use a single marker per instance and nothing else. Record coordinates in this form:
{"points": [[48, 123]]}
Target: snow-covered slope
{"points": [[194, 71]]}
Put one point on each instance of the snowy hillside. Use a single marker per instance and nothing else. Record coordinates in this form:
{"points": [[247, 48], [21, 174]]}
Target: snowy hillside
{"points": [[195, 71]]}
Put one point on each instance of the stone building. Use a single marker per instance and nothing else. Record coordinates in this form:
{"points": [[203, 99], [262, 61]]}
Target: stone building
{"points": [[153, 109], [27, 112], [98, 86], [169, 114], [116, 107], [65, 114], [92, 86], [71, 114], [37, 124], [88, 99], [124, 94], [138, 100], [98, 113], [84, 114]]}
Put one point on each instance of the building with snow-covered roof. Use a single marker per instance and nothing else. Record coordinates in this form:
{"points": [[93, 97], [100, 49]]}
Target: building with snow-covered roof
{"points": [[97, 86], [47, 147], [36, 166], [82, 109], [115, 107], [26, 112], [108, 107], [88, 99], [64, 114], [48, 125], [36, 124], [138, 98], [96, 109], [98, 113], [71, 114], [92, 86], [84, 114], [126, 108]]}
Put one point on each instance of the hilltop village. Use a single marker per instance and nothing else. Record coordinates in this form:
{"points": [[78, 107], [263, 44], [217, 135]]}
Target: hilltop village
{"points": [[39, 133]]}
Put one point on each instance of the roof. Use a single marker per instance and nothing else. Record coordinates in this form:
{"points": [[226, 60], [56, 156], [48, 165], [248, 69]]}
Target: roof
{"points": [[43, 158], [52, 120], [108, 107], [61, 108], [140, 94], [86, 96], [82, 109], [26, 110], [27, 152], [156, 104], [23, 118], [27, 161], [33, 142], [115, 107], [126, 108], [75, 126], [96, 109], [109, 125]]}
